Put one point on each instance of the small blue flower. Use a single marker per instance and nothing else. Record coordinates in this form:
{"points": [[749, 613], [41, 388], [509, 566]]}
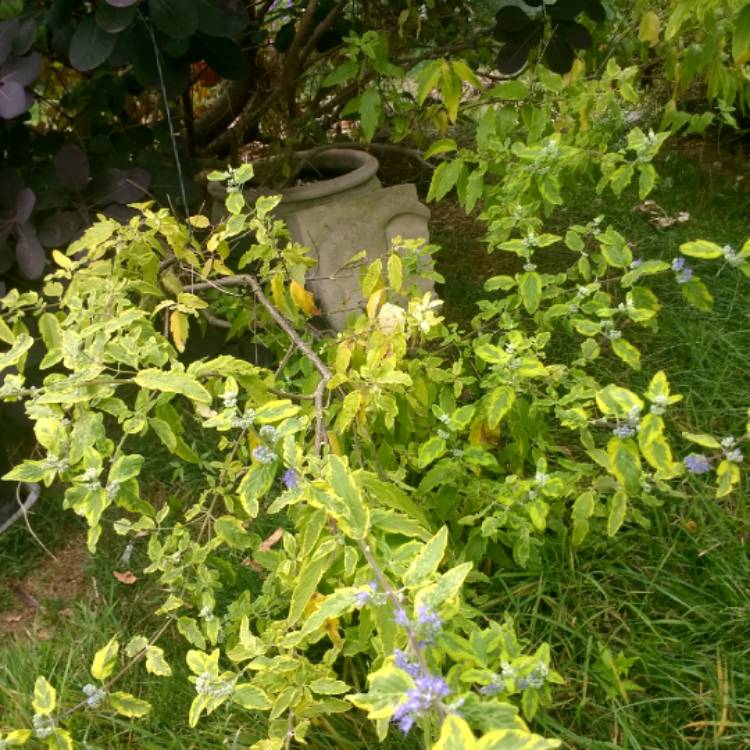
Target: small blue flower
{"points": [[290, 479], [697, 463], [428, 692], [403, 663], [636, 263], [400, 617], [365, 597], [263, 454], [678, 263], [429, 625]]}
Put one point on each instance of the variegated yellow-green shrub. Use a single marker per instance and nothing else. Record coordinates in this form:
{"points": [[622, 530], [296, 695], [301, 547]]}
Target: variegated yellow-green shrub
{"points": [[395, 461]]}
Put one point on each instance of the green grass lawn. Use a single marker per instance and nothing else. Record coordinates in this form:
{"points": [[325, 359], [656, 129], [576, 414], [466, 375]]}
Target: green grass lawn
{"points": [[676, 598], [670, 605]]}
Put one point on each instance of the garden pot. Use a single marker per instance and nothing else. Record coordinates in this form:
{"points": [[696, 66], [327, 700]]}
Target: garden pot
{"points": [[338, 216]]}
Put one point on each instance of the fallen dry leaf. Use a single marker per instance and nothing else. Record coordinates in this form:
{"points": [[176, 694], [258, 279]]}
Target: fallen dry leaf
{"points": [[658, 217], [127, 577]]}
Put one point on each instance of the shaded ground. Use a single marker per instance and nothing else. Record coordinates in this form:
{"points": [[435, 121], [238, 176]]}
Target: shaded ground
{"points": [[50, 589]]}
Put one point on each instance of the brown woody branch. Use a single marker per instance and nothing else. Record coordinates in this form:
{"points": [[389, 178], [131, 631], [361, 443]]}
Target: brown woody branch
{"points": [[248, 280]]}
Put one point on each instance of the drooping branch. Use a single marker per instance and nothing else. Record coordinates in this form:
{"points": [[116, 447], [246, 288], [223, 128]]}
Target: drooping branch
{"points": [[250, 281]]}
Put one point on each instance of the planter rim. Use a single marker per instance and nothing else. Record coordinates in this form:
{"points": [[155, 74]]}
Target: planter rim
{"points": [[361, 165]]}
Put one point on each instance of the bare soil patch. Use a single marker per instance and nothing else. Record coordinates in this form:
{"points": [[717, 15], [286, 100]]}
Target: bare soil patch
{"points": [[48, 594]]}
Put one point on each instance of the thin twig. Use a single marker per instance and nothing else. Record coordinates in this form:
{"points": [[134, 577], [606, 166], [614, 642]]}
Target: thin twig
{"points": [[294, 337]]}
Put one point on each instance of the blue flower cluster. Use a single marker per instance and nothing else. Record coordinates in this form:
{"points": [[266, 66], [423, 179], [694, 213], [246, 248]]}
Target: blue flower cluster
{"points": [[290, 479], [429, 689], [426, 626], [683, 272], [428, 693], [365, 597], [697, 463]]}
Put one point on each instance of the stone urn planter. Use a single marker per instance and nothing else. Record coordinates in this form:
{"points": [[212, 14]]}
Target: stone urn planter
{"points": [[340, 210]]}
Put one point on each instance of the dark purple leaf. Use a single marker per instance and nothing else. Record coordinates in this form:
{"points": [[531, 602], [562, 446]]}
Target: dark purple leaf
{"points": [[121, 3], [14, 100], [25, 36], [60, 36], [72, 167], [565, 10], [176, 18], [123, 214], [575, 34], [176, 73], [8, 31], [24, 70], [114, 19], [90, 45], [512, 58], [117, 186], [25, 201], [513, 19], [59, 229], [30, 255], [6, 254], [559, 55], [222, 17], [223, 56], [595, 10], [10, 185]]}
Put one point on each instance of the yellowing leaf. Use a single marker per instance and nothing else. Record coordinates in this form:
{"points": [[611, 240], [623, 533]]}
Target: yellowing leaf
{"points": [[128, 705], [199, 221], [178, 325], [650, 28], [303, 299], [156, 663], [455, 734], [105, 660], [373, 302], [395, 272], [63, 261], [45, 697]]}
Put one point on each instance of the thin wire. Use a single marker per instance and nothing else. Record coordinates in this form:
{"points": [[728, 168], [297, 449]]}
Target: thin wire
{"points": [[168, 113]]}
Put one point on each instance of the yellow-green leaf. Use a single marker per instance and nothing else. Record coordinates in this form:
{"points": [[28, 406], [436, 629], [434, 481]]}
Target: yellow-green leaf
{"points": [[251, 697], [498, 403], [395, 272], [514, 739], [618, 507], [128, 705], [530, 288], [627, 353], [105, 660], [455, 734], [650, 28], [173, 381], [45, 697], [701, 249], [707, 441], [430, 451], [727, 476], [387, 689], [426, 563]]}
